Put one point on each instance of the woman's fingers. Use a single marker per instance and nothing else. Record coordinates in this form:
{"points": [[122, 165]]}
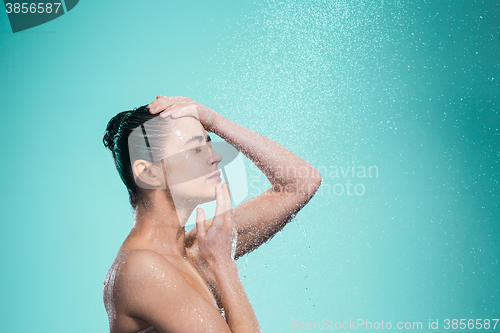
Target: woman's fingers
{"points": [[219, 241], [161, 103], [182, 109], [220, 208], [223, 199], [200, 223], [171, 109], [228, 205]]}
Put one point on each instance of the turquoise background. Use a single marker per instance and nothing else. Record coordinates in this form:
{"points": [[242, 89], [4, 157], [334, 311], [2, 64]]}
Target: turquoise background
{"points": [[411, 87]]}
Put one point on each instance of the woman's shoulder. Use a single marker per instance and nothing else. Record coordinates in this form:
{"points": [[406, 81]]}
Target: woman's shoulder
{"points": [[144, 284], [135, 274], [139, 262], [133, 266], [128, 259]]}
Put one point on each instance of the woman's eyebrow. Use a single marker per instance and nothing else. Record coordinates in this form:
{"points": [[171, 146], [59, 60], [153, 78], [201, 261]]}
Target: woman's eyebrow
{"points": [[195, 138]]}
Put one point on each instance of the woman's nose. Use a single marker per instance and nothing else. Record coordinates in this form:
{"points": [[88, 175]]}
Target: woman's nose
{"points": [[215, 157]]}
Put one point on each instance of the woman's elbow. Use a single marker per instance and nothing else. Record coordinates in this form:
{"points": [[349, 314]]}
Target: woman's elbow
{"points": [[313, 183], [316, 181]]}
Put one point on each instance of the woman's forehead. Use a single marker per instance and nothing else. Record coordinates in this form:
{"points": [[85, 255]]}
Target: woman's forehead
{"points": [[185, 129]]}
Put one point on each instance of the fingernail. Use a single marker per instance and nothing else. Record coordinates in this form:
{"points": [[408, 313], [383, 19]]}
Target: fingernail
{"points": [[152, 109], [177, 114]]}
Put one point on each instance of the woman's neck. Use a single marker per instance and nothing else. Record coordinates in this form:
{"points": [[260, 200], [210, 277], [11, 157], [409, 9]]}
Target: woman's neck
{"points": [[159, 226]]}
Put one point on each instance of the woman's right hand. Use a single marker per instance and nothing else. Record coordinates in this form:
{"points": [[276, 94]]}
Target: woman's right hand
{"points": [[177, 107], [217, 244]]}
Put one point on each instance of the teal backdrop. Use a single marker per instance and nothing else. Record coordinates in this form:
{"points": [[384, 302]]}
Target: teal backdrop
{"points": [[395, 102]]}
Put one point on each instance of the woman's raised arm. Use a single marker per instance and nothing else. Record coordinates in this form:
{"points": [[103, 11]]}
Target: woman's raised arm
{"points": [[293, 183], [293, 180]]}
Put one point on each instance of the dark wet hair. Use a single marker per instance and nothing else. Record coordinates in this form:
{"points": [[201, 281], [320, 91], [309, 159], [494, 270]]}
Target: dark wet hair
{"points": [[116, 139]]}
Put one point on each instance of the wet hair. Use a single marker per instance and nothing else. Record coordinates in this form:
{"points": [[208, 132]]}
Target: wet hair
{"points": [[127, 139]]}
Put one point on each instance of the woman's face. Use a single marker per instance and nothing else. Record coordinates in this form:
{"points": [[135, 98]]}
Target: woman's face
{"points": [[191, 164]]}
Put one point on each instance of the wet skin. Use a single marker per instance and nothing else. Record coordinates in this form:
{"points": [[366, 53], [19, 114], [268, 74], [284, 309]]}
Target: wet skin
{"points": [[159, 262]]}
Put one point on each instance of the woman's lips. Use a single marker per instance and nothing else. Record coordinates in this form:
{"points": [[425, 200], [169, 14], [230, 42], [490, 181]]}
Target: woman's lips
{"points": [[215, 176]]}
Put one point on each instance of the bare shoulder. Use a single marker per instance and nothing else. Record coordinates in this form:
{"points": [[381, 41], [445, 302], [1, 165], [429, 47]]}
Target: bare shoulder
{"points": [[133, 275], [137, 261], [147, 286], [136, 269]]}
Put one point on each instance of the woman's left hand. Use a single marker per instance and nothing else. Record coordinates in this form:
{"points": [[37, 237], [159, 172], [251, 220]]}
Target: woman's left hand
{"points": [[178, 107]]}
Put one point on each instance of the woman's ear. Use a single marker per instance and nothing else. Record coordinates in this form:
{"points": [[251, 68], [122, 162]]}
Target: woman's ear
{"points": [[147, 174]]}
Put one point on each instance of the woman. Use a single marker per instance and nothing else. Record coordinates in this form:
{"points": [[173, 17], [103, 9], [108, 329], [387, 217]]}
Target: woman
{"points": [[167, 280]]}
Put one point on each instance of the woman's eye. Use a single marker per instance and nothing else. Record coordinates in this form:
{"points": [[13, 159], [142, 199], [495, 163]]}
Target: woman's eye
{"points": [[197, 150]]}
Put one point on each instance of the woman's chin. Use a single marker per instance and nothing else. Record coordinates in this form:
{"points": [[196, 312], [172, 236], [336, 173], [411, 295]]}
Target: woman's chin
{"points": [[208, 198], [211, 198]]}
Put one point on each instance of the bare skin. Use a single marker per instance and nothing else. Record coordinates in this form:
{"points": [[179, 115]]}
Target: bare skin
{"points": [[178, 281]]}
